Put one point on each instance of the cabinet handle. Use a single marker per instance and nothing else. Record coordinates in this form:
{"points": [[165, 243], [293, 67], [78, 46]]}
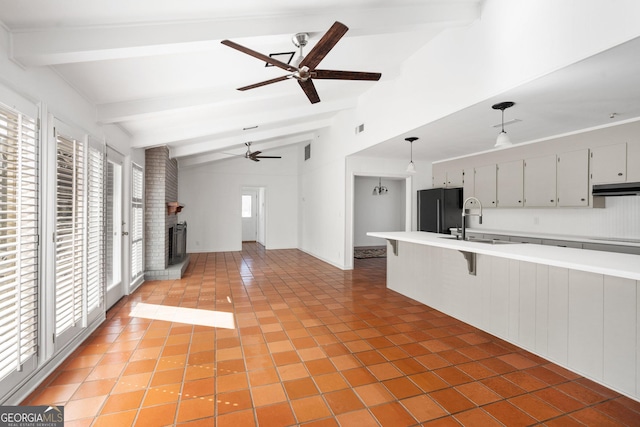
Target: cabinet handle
{"points": [[620, 174], [519, 201], [582, 200], [551, 200], [493, 203]]}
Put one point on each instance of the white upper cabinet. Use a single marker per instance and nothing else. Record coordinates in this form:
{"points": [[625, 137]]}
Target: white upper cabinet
{"points": [[485, 185], [609, 164], [468, 188], [510, 184], [540, 181], [633, 162], [439, 179], [573, 178], [455, 178]]}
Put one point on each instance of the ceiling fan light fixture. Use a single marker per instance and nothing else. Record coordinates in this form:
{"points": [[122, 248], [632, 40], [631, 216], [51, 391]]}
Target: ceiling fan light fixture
{"points": [[503, 139], [411, 168]]}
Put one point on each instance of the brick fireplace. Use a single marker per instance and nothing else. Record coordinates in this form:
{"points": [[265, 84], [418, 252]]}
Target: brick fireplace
{"points": [[161, 185]]}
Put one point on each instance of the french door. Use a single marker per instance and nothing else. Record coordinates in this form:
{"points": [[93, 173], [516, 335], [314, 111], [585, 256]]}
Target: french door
{"points": [[114, 227]]}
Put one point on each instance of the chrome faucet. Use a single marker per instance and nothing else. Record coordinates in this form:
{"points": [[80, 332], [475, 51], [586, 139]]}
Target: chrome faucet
{"points": [[465, 215]]}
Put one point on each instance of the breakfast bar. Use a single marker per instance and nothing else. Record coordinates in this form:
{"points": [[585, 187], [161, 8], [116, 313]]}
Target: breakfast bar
{"points": [[576, 307]]}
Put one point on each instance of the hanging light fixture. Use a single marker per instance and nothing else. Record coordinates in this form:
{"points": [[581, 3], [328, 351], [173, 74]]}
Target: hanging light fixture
{"points": [[411, 168], [503, 139], [380, 189]]}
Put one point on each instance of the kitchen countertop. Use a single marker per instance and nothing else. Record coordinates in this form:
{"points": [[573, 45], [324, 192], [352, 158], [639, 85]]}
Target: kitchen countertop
{"points": [[607, 263], [600, 240]]}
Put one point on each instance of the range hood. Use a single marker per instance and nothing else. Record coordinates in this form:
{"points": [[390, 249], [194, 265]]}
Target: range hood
{"points": [[622, 189]]}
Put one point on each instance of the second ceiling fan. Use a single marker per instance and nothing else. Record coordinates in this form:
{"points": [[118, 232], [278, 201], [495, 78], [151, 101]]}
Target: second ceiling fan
{"points": [[306, 70]]}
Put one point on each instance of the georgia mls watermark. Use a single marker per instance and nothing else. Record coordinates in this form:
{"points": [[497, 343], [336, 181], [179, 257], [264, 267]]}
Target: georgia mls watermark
{"points": [[31, 416]]}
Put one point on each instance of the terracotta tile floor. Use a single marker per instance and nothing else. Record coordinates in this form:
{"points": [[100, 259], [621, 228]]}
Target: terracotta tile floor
{"points": [[313, 345]]}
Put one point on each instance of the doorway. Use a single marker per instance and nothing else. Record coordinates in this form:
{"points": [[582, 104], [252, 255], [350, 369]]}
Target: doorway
{"points": [[114, 227], [253, 215]]}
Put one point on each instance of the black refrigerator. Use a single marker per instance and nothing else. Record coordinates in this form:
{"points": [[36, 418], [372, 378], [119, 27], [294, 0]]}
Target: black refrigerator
{"points": [[439, 209]]}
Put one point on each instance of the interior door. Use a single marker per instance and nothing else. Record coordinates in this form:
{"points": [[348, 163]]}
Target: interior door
{"points": [[249, 217], [114, 234]]}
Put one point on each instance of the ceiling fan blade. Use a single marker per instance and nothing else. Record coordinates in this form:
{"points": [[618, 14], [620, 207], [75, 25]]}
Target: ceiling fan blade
{"points": [[268, 157], [255, 153], [259, 55], [326, 43], [310, 90], [345, 75], [264, 83]]}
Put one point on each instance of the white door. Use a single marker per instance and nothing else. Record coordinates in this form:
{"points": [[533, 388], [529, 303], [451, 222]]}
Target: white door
{"points": [[114, 229], [249, 217]]}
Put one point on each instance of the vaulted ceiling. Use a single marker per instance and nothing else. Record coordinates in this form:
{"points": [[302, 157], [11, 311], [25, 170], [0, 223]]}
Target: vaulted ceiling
{"points": [[157, 70]]}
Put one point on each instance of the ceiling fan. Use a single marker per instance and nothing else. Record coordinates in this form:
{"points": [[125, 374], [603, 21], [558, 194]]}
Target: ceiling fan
{"points": [[255, 155], [306, 70]]}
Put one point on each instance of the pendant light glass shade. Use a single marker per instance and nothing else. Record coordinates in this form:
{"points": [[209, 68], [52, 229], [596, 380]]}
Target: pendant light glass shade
{"points": [[411, 168], [503, 140]]}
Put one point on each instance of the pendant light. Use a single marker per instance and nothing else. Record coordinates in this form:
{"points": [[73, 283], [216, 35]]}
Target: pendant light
{"points": [[379, 190], [411, 168], [503, 139]]}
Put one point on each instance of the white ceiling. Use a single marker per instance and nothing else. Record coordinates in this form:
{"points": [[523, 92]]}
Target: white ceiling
{"points": [[158, 70]]}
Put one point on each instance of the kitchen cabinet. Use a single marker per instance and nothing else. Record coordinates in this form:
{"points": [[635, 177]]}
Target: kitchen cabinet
{"points": [[510, 184], [633, 162], [540, 181], [609, 164], [448, 179], [455, 178], [573, 178], [468, 186], [439, 179], [485, 185]]}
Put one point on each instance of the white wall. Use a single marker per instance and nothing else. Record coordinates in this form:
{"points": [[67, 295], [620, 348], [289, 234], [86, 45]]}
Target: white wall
{"points": [[383, 212], [211, 194]]}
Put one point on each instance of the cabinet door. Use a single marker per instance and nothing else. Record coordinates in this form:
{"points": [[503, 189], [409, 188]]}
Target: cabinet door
{"points": [[485, 185], [439, 179], [468, 185], [510, 184], [540, 181], [454, 178], [573, 178], [609, 164], [633, 161]]}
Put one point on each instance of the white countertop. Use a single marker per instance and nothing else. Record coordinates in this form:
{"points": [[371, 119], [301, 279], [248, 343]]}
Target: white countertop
{"points": [[600, 262], [570, 238]]}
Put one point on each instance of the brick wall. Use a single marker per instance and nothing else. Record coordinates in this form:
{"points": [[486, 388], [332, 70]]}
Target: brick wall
{"points": [[161, 186]]}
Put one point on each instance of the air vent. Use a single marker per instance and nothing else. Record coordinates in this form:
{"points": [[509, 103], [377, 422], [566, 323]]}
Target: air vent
{"points": [[307, 152], [359, 128]]}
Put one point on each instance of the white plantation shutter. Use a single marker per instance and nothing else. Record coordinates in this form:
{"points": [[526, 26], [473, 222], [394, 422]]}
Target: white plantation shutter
{"points": [[69, 238], [18, 239], [95, 227], [137, 225]]}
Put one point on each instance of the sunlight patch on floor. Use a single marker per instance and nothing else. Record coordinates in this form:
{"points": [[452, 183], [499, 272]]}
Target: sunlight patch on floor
{"points": [[192, 316]]}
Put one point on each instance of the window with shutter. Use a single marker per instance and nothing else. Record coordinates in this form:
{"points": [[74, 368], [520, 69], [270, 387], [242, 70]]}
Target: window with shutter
{"points": [[95, 227], [69, 236], [137, 225], [18, 240]]}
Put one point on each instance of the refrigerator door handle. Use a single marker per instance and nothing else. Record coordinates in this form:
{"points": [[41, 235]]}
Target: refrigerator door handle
{"points": [[438, 215]]}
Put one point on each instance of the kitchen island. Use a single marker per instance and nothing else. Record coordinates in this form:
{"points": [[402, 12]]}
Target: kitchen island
{"points": [[578, 308]]}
